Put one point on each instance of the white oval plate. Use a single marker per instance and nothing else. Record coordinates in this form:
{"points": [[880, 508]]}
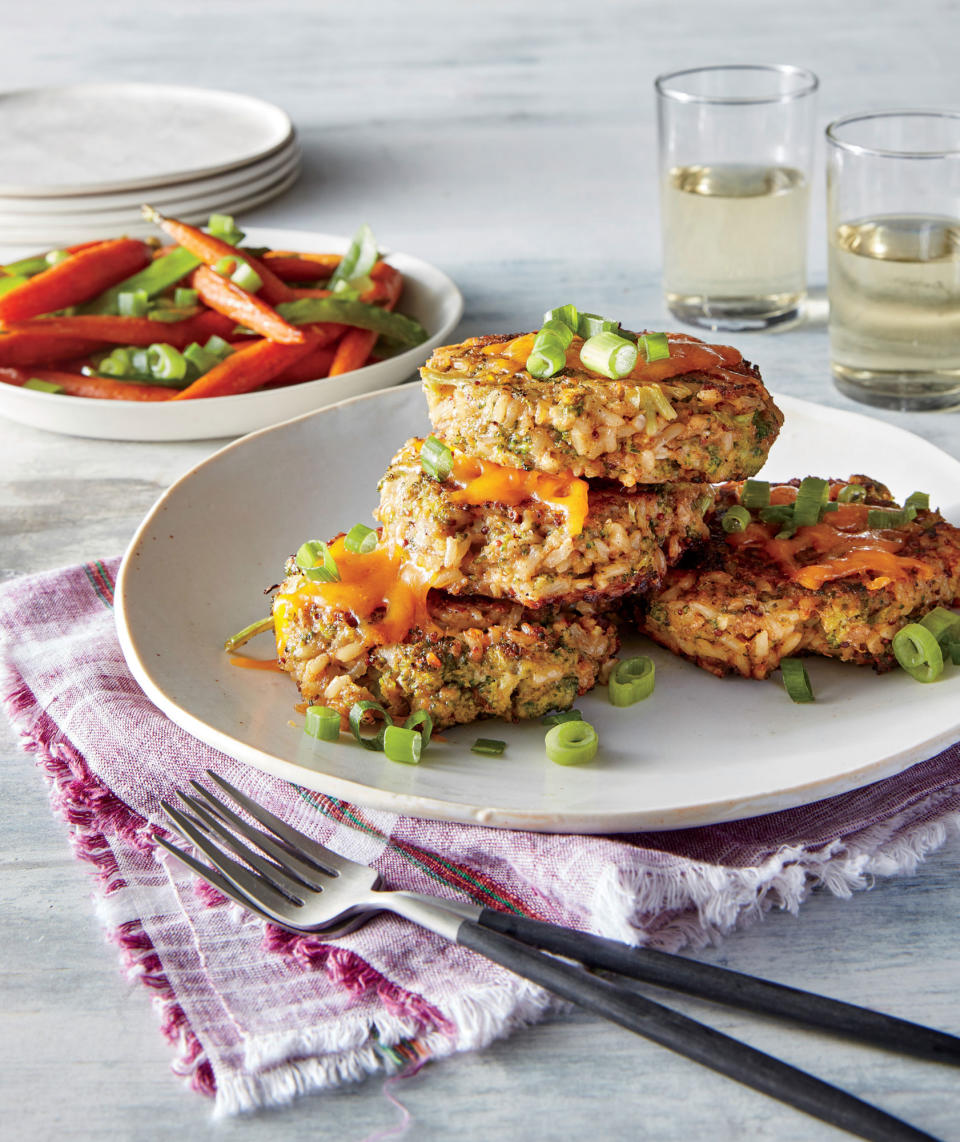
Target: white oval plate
{"points": [[75, 139], [429, 296], [700, 750]]}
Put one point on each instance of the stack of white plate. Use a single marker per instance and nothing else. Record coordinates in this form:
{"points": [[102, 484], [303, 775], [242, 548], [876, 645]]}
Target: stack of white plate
{"points": [[77, 163]]}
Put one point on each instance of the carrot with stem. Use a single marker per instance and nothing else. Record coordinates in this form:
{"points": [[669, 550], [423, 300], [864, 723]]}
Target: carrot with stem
{"points": [[78, 385], [76, 279], [245, 369], [244, 308]]}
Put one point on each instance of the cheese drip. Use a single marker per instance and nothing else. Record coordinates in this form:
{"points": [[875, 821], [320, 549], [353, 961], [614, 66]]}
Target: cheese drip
{"points": [[381, 579]]}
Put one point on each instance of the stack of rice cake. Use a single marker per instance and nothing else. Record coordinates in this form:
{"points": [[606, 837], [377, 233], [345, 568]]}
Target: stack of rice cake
{"points": [[494, 586]]}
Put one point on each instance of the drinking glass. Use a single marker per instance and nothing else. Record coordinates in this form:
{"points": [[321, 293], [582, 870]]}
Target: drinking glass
{"points": [[893, 214], [735, 162]]}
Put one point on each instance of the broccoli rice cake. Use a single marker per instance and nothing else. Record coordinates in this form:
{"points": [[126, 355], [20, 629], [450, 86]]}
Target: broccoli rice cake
{"points": [[467, 658], [841, 587], [700, 415], [535, 538]]}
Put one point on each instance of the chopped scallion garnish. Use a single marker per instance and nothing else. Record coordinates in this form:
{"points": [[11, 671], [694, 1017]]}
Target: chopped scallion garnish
{"points": [[735, 519], [360, 539], [944, 625], [436, 459], [402, 745], [755, 494], [609, 355], [184, 298], [322, 723], [656, 346], [234, 642], [560, 330], [566, 313], [246, 277], [317, 564], [890, 517], [632, 681], [492, 747], [420, 718], [358, 261], [133, 303], [918, 500], [590, 324], [562, 716], [357, 712], [55, 257], [811, 496], [851, 493], [796, 681], [224, 227], [166, 363], [918, 652], [571, 743], [39, 386]]}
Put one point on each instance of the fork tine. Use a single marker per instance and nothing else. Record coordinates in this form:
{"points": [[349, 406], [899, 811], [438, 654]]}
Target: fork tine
{"points": [[242, 878], [283, 879], [212, 877], [300, 868], [326, 860]]}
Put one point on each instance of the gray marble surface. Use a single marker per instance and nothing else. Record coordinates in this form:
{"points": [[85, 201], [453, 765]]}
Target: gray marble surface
{"points": [[513, 145]]}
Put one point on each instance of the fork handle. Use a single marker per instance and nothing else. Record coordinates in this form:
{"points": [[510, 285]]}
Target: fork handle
{"points": [[731, 988], [687, 1037]]}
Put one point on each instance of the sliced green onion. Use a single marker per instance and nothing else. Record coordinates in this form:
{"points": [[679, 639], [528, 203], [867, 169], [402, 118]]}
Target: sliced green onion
{"points": [[565, 313], [421, 718], [811, 496], [39, 386], [243, 636], [358, 261], [609, 355], [322, 723], [590, 324], [118, 363], [735, 519], [133, 303], [953, 649], [546, 360], [224, 227], [918, 652], [571, 743], [218, 346], [360, 539], [755, 494], [796, 681], [225, 266], [562, 332], [201, 360], [492, 747], [307, 310], [436, 459], [632, 681], [55, 257], [11, 282], [828, 507], [851, 494], [656, 346], [782, 514], [889, 518], [357, 710], [166, 363], [402, 745], [162, 273], [561, 716], [246, 277], [139, 363], [944, 625], [185, 298], [317, 564], [918, 500]]}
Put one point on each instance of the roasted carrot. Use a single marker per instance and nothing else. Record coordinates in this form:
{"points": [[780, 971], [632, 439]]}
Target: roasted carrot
{"points": [[293, 267], [31, 347], [210, 250], [246, 369], [124, 330], [77, 278], [314, 365], [244, 308], [356, 345], [77, 385]]}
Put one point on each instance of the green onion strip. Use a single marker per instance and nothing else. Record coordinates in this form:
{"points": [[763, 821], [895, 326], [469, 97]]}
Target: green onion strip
{"points": [[357, 711], [316, 563], [796, 681], [402, 745], [918, 652], [609, 355], [436, 459]]}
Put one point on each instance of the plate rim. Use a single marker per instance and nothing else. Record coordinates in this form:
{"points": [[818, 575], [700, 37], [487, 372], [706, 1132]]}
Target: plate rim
{"points": [[535, 820], [194, 91]]}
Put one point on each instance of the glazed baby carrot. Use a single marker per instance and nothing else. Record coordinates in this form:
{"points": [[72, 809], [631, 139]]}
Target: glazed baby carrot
{"points": [[76, 279], [124, 330], [211, 250], [357, 345], [245, 369], [32, 347], [293, 267], [78, 385], [314, 365], [244, 308]]}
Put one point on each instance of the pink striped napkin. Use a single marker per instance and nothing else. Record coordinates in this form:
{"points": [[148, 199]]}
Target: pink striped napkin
{"points": [[258, 1016]]}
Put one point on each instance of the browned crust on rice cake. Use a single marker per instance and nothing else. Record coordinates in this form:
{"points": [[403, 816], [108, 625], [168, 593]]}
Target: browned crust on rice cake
{"points": [[484, 659], [735, 611], [525, 553], [579, 422]]}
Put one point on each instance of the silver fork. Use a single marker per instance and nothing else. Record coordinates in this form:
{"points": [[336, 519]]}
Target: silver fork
{"points": [[305, 887]]}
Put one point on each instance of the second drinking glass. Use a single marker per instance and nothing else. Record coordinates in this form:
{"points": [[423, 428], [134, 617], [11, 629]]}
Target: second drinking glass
{"points": [[735, 161]]}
